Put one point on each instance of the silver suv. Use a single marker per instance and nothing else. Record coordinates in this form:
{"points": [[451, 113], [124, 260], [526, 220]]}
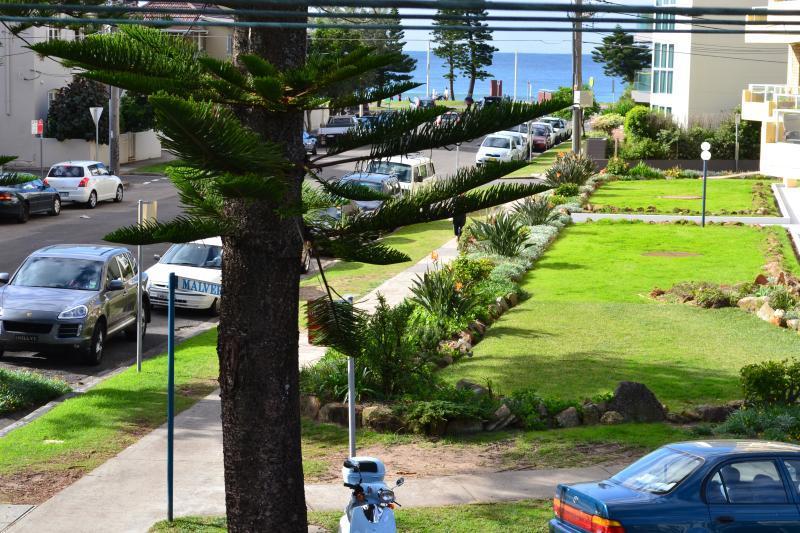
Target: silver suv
{"points": [[70, 297]]}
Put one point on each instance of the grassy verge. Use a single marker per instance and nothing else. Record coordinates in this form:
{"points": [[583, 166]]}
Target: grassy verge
{"points": [[528, 516], [405, 104], [724, 196], [542, 162], [23, 390], [590, 324], [155, 168], [86, 430]]}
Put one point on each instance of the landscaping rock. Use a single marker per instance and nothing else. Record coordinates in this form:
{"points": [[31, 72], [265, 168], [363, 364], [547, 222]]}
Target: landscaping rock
{"points": [[380, 418], [761, 279], [502, 412], [713, 413], [476, 389], [502, 418], [478, 327], [778, 318], [675, 418], [501, 304], [445, 360], [336, 413], [751, 303], [464, 346], [793, 323], [765, 312], [636, 403], [591, 414], [512, 299], [612, 417], [568, 418], [310, 406], [467, 336], [464, 426], [735, 405], [542, 410]]}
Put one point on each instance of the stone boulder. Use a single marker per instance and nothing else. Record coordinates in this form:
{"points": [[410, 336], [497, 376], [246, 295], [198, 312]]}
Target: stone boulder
{"points": [[568, 418], [761, 279], [751, 304], [793, 323], [636, 403], [501, 304], [476, 389], [713, 413], [336, 413], [512, 299], [591, 414], [445, 360], [310, 406], [502, 418], [478, 327], [765, 312], [464, 426], [611, 417], [380, 418]]}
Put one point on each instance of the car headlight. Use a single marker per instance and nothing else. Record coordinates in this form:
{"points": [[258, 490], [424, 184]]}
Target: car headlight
{"points": [[79, 311]]}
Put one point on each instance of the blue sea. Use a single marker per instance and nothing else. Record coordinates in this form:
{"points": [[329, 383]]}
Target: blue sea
{"points": [[544, 71]]}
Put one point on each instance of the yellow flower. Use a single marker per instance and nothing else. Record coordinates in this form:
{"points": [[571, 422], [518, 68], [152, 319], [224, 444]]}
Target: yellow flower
{"points": [[435, 255], [459, 286]]}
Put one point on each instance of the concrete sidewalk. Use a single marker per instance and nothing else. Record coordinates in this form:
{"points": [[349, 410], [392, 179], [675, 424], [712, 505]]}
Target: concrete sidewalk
{"points": [[128, 493]]}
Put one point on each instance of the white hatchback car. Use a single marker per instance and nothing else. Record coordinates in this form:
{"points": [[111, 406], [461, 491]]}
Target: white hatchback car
{"points": [[498, 147], [86, 182]]}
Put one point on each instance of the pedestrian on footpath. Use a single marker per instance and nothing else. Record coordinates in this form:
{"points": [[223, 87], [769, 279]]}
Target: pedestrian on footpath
{"points": [[459, 220]]}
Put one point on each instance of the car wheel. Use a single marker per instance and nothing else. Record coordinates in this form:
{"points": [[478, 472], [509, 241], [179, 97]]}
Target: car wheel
{"points": [[214, 309], [120, 193], [56, 209], [92, 202], [94, 353], [24, 212], [130, 332]]}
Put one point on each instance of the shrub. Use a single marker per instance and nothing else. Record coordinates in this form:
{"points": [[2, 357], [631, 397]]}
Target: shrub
{"points": [[327, 378], [607, 123], [774, 423], [68, 116], [644, 172], [617, 166], [780, 298], [570, 168], [643, 123], [535, 211], [503, 234], [136, 113], [771, 382], [490, 289], [711, 297], [644, 148], [443, 298], [428, 415], [511, 271], [557, 200], [567, 189], [467, 271], [528, 406], [22, 389]]}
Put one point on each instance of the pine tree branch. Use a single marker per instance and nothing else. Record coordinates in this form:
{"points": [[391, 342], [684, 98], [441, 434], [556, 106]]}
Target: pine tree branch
{"points": [[181, 229]]}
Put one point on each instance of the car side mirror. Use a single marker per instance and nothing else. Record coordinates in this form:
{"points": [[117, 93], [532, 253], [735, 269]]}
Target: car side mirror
{"points": [[4, 277], [115, 285]]}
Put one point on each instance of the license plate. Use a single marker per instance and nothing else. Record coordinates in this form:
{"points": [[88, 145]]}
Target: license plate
{"points": [[26, 338], [158, 296], [64, 194]]}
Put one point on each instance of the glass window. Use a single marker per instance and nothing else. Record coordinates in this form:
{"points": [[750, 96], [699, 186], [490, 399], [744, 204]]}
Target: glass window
{"points": [[793, 466], [791, 128], [400, 170], [65, 171], [125, 267], [229, 45], [715, 490], [113, 271], [497, 142], [658, 472], [423, 171], [27, 186], [756, 482], [59, 273], [93, 170], [194, 254]]}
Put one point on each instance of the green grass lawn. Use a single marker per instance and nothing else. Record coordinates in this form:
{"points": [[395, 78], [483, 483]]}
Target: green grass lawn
{"points": [[723, 195], [85, 431], [542, 162], [589, 323], [155, 168], [23, 390], [530, 516]]}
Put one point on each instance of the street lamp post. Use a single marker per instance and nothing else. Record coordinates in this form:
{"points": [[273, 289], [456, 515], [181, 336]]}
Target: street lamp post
{"points": [[705, 155]]}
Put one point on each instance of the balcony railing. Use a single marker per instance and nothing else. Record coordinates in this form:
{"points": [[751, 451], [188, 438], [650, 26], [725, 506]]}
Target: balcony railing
{"points": [[784, 96], [642, 81]]}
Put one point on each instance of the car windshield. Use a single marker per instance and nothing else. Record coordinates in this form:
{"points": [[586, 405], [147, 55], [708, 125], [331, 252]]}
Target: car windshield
{"points": [[553, 123], [60, 273], [194, 254], [401, 170], [658, 472], [66, 171], [371, 185], [540, 132], [343, 121], [497, 142]]}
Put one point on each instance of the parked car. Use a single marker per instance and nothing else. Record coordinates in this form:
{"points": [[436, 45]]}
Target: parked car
{"points": [[450, 117], [540, 138], [310, 143], [497, 147], [382, 183], [422, 103], [550, 131], [491, 100], [336, 126], [521, 141], [70, 297], [86, 182], [713, 486], [22, 200], [409, 169], [560, 126]]}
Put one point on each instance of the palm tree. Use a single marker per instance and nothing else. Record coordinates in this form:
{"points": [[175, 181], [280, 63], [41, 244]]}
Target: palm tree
{"points": [[237, 127]]}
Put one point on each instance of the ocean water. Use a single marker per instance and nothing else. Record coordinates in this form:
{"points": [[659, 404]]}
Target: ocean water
{"points": [[544, 71]]}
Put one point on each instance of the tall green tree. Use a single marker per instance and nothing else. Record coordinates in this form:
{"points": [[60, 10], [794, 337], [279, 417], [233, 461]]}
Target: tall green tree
{"points": [[69, 117], [237, 128], [393, 41], [620, 56], [449, 45], [478, 52]]}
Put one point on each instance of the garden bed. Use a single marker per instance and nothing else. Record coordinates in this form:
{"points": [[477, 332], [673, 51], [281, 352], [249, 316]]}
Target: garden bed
{"points": [[542, 162], [20, 390]]}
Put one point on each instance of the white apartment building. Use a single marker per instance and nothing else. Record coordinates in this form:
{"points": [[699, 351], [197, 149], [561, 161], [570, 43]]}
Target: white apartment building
{"points": [[699, 77], [777, 105]]}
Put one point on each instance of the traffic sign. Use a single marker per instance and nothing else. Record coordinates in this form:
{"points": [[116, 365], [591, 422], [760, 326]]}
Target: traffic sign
{"points": [[37, 127], [196, 285]]}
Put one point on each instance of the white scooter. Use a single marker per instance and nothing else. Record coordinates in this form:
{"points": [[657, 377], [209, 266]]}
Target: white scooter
{"points": [[371, 506]]}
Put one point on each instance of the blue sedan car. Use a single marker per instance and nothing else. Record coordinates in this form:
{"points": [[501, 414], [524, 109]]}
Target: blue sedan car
{"points": [[692, 487]]}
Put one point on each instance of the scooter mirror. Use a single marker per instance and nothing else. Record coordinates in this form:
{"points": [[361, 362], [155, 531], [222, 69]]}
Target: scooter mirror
{"points": [[400, 481], [350, 464]]}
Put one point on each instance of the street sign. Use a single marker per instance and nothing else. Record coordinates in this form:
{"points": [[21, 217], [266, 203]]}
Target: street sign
{"points": [[705, 155], [705, 146], [96, 112], [196, 285], [37, 127]]}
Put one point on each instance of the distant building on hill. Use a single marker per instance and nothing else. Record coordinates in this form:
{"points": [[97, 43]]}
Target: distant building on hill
{"points": [[698, 78]]}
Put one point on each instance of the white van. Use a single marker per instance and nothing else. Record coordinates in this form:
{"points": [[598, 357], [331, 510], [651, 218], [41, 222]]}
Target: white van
{"points": [[410, 169]]}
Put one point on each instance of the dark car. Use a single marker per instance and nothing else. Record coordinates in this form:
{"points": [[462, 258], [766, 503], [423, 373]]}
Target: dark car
{"points": [[380, 183], [70, 297], [540, 138], [22, 200], [705, 486]]}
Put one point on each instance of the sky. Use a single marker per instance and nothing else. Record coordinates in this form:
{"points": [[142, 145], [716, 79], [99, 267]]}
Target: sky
{"points": [[516, 41]]}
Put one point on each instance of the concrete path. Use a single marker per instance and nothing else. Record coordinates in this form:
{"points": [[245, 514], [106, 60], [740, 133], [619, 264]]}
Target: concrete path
{"points": [[128, 493]]}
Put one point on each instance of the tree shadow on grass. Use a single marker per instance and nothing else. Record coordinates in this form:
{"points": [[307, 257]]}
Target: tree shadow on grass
{"points": [[559, 265]]}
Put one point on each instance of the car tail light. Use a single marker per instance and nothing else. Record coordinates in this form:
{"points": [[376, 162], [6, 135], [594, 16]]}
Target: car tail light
{"points": [[584, 520], [5, 196], [46, 182], [83, 182]]}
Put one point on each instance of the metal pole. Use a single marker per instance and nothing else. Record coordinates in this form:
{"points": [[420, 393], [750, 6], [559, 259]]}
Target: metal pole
{"points": [[41, 155], [703, 213], [516, 65], [97, 141], [577, 79], [351, 400], [113, 131], [458, 154], [139, 310], [736, 148], [530, 148], [428, 72], [170, 391]]}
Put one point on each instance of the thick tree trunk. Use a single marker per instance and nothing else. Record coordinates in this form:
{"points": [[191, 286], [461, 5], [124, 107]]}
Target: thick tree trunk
{"points": [[258, 330], [471, 84], [452, 78]]}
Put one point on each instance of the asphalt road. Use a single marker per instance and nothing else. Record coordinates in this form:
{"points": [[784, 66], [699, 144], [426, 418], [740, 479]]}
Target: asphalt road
{"points": [[77, 225]]}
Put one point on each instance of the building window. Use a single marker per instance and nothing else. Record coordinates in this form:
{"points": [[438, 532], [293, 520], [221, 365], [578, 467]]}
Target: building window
{"points": [[52, 94], [664, 21], [665, 110], [229, 45], [663, 63], [53, 34]]}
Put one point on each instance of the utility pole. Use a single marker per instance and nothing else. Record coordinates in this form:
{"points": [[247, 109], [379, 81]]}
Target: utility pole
{"points": [[577, 79], [428, 72], [516, 66], [113, 123]]}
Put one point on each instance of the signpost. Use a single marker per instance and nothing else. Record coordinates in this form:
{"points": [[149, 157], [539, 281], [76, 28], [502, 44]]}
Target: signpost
{"points": [[96, 112], [173, 279], [146, 211], [351, 400], [37, 128], [705, 155], [737, 120]]}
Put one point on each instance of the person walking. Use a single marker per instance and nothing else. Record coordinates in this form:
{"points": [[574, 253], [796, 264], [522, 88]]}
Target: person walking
{"points": [[459, 221]]}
